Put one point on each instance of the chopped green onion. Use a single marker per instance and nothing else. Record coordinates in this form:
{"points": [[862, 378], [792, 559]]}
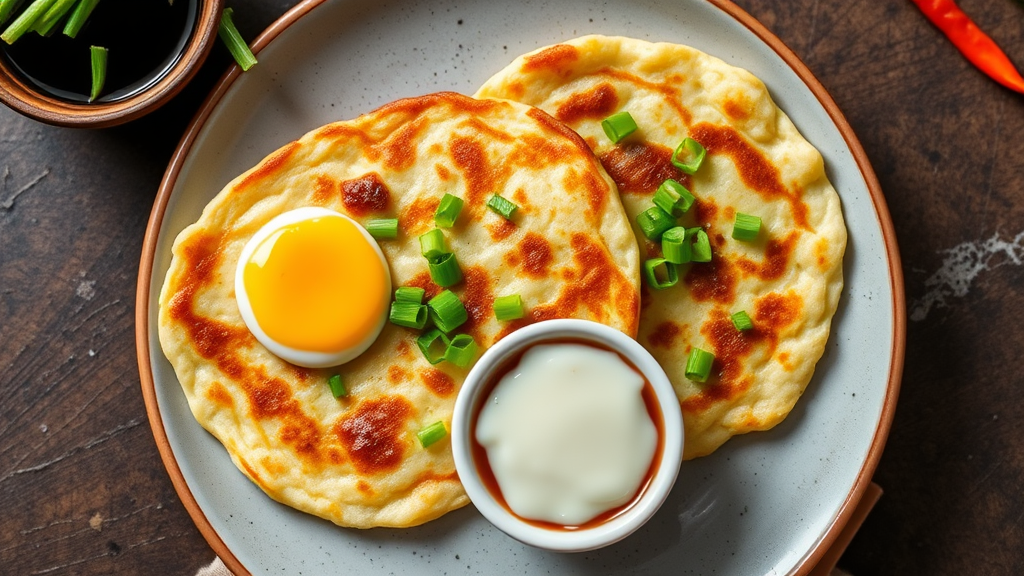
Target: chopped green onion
{"points": [[99, 70], [694, 152], [337, 386], [509, 307], [618, 126], [746, 227], [432, 244], [233, 40], [408, 314], [447, 211], [7, 7], [78, 18], [502, 206], [742, 321], [433, 344], [410, 294], [383, 228], [654, 221], [46, 23], [461, 350], [675, 245], [447, 311], [698, 365], [673, 198], [660, 273], [432, 434], [444, 270], [701, 246], [26, 20]]}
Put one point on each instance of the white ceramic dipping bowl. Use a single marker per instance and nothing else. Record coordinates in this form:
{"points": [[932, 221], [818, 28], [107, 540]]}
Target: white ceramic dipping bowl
{"points": [[467, 406]]}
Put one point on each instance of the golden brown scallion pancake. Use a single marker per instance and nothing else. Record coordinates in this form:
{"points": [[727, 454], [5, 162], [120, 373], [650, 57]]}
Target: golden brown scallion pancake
{"points": [[356, 461], [788, 280]]}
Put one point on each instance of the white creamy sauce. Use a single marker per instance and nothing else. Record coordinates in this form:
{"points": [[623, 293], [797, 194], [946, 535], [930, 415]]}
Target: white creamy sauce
{"points": [[567, 433]]}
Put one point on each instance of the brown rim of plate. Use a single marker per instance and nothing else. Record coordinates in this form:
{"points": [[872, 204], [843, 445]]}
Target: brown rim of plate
{"points": [[846, 510], [26, 99]]}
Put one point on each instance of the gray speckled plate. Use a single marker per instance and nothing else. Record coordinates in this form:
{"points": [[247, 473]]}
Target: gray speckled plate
{"points": [[765, 503]]}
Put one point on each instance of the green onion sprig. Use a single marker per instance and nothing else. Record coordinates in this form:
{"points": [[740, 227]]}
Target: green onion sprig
{"points": [[26, 20], [698, 365], [741, 320], [746, 227], [673, 198], [447, 311], [502, 206], [653, 222], [78, 18], [447, 211], [618, 126], [408, 314], [660, 273], [431, 434], [99, 71], [694, 153], [383, 228], [410, 294], [433, 344], [509, 307], [233, 40], [432, 244], [444, 270], [337, 386], [461, 350]]}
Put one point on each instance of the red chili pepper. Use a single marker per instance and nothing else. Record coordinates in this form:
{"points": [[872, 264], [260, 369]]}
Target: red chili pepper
{"points": [[981, 50]]}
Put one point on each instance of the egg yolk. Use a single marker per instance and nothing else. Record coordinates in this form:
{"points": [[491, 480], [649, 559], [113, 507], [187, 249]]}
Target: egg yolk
{"points": [[317, 285]]}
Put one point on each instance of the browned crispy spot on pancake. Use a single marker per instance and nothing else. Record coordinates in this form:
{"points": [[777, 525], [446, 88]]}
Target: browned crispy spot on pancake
{"points": [[431, 476], [269, 397], [596, 283], [438, 382], [422, 280], [776, 258], [373, 431], [772, 313], [557, 59], [597, 103], [478, 298], [593, 187], [404, 349], [640, 167], [365, 488], [546, 121], [668, 89], [219, 395], [712, 281], [268, 167], [754, 169], [365, 195], [705, 210], [399, 150], [442, 172], [471, 159], [664, 334], [397, 374], [324, 189], [480, 127], [501, 229], [737, 109], [821, 253], [251, 473], [418, 217], [534, 254]]}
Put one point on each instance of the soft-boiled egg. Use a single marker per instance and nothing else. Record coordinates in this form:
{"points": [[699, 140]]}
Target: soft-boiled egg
{"points": [[313, 286]]}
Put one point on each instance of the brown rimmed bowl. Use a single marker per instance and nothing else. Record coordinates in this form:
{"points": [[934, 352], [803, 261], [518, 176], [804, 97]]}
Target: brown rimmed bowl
{"points": [[22, 96]]}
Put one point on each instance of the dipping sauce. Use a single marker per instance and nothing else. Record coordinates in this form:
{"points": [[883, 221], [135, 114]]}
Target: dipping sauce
{"points": [[145, 39], [569, 434]]}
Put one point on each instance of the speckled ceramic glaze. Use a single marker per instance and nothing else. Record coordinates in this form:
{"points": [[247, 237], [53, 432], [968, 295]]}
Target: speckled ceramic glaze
{"points": [[765, 503]]}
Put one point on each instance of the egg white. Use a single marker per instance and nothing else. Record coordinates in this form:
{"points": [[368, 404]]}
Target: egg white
{"points": [[305, 358]]}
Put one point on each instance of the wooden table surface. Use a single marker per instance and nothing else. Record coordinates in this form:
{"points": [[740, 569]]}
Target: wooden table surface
{"points": [[83, 489]]}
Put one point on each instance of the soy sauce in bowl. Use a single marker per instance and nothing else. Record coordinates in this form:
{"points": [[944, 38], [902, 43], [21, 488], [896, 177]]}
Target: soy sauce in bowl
{"points": [[145, 39]]}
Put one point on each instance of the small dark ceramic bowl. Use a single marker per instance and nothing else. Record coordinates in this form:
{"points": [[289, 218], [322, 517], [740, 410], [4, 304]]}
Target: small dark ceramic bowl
{"points": [[24, 97]]}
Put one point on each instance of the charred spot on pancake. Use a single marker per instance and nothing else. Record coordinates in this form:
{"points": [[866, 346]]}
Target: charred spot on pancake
{"points": [[437, 382], [712, 281], [220, 395], [737, 107], [730, 347], [776, 258], [373, 433], [418, 217], [550, 124], [303, 435], [442, 172], [251, 473], [640, 167], [773, 311], [522, 200], [664, 335], [403, 349], [754, 169], [534, 255], [705, 210], [557, 59], [399, 149], [268, 167], [397, 374], [667, 90], [364, 488], [821, 250], [597, 102], [365, 195]]}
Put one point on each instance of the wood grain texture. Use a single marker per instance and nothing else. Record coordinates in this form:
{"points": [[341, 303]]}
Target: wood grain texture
{"points": [[82, 488]]}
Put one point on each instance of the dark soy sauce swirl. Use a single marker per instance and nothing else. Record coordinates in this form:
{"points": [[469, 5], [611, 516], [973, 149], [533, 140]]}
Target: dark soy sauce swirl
{"points": [[145, 38]]}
